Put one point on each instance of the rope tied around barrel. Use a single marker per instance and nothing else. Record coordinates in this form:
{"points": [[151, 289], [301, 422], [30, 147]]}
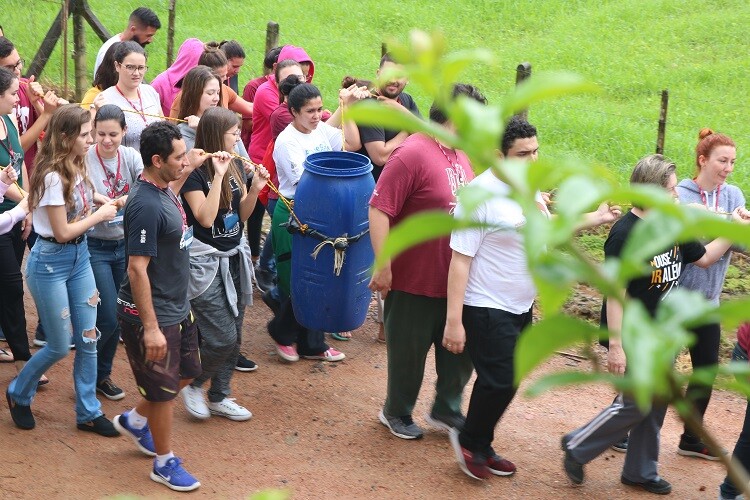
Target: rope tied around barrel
{"points": [[338, 243]]}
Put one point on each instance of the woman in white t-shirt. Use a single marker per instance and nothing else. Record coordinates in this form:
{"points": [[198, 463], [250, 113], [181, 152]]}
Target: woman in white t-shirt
{"points": [[58, 271], [305, 135], [139, 101]]}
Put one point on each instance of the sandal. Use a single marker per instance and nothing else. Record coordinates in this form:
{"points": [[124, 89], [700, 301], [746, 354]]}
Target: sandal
{"points": [[342, 336], [6, 357]]}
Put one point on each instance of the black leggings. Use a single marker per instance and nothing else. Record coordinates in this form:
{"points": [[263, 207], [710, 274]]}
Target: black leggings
{"points": [[254, 225], [705, 352], [12, 314]]}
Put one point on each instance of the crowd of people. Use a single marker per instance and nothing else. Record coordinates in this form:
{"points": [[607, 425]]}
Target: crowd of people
{"points": [[142, 208]]}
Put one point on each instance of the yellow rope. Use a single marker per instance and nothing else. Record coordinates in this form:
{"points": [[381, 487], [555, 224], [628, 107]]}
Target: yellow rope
{"points": [[338, 254], [155, 116]]}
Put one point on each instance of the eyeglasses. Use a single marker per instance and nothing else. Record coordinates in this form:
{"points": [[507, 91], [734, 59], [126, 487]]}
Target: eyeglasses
{"points": [[236, 134], [132, 69], [13, 67]]}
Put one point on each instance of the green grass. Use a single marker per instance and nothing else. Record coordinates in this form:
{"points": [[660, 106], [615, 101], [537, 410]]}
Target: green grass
{"points": [[632, 49]]}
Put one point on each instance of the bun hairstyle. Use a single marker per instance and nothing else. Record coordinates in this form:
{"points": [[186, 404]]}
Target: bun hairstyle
{"points": [[708, 140], [349, 80], [212, 56], [287, 85]]}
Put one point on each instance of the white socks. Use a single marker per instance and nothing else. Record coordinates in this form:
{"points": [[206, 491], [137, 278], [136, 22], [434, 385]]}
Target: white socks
{"points": [[135, 420], [161, 460]]}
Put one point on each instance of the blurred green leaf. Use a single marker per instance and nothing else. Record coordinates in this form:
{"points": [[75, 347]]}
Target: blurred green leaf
{"points": [[543, 86], [560, 379], [542, 339]]}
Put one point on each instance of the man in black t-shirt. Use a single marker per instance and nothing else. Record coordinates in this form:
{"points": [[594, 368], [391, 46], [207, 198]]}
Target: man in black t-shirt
{"points": [[623, 415], [377, 142], [158, 328]]}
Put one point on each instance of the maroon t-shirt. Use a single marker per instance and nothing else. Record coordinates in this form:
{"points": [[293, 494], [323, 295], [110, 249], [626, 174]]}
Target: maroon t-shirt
{"points": [[420, 176], [26, 115]]}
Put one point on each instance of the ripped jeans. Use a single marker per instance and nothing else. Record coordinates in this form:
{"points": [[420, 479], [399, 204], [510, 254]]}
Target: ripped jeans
{"points": [[62, 284]]}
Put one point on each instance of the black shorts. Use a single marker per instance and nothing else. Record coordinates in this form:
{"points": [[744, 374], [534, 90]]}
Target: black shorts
{"points": [[159, 381]]}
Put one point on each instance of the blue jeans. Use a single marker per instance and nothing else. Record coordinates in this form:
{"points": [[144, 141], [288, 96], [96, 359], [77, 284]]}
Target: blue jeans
{"points": [[266, 255], [62, 284], [108, 265]]}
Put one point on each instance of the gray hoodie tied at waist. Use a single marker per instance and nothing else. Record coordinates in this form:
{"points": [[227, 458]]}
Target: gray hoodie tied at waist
{"points": [[206, 261]]}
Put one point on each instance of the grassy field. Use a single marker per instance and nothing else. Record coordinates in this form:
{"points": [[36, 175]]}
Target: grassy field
{"points": [[632, 49]]}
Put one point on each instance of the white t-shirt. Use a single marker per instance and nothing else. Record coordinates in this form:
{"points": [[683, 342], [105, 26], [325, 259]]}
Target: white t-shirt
{"points": [[149, 103], [498, 276], [53, 197], [292, 147], [103, 50]]}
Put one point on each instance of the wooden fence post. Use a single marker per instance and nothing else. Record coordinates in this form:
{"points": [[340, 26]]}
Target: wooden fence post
{"points": [[170, 32], [79, 50], [523, 72], [272, 40], [662, 131]]}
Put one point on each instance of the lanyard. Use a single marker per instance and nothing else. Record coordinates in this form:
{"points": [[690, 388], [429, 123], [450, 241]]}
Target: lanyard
{"points": [[705, 200], [83, 198], [107, 173], [8, 147], [172, 197], [442, 150], [132, 105]]}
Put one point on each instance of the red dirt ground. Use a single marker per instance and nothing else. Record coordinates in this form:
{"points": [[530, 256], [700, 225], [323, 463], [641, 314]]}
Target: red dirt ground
{"points": [[315, 433]]}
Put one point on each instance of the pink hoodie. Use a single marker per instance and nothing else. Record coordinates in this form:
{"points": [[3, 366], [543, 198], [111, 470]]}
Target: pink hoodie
{"points": [[187, 58], [267, 100]]}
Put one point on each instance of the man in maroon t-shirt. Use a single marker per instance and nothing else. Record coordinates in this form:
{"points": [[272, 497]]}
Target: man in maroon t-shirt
{"points": [[421, 174]]}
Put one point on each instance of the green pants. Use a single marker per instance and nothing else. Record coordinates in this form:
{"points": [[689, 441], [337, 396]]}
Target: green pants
{"points": [[413, 324], [281, 240]]}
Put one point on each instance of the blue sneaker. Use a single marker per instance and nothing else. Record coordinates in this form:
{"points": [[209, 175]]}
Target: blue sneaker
{"points": [[173, 476], [141, 437]]}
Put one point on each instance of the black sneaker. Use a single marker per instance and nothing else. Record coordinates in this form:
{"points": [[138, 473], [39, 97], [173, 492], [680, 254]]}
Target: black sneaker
{"points": [[100, 425], [573, 469], [695, 448], [658, 486], [110, 390], [21, 414], [245, 365], [273, 304], [621, 446]]}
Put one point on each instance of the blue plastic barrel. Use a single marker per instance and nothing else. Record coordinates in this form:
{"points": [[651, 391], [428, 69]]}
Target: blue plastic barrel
{"points": [[332, 197]]}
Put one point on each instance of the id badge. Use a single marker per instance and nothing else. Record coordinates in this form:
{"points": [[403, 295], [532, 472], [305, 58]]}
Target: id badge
{"points": [[118, 218], [230, 220], [187, 238]]}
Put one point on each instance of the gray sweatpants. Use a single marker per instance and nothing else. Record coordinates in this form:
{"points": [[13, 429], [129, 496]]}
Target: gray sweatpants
{"points": [[612, 425], [221, 333]]}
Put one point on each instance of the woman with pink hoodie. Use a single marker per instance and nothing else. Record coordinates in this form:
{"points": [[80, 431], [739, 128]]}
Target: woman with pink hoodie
{"points": [[165, 83]]}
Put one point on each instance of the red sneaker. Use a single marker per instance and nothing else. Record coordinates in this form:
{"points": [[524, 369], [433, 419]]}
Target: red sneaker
{"points": [[287, 352], [500, 466], [472, 465]]}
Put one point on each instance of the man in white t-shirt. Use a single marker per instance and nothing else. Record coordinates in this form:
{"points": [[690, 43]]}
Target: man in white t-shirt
{"points": [[142, 26], [490, 298]]}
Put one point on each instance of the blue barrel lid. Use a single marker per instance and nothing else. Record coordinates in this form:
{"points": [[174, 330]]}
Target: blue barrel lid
{"points": [[338, 164]]}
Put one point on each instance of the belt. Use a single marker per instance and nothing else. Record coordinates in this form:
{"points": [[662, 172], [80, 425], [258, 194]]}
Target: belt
{"points": [[74, 241]]}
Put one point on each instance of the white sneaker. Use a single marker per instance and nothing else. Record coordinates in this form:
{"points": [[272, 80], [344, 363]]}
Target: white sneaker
{"points": [[195, 403], [228, 408]]}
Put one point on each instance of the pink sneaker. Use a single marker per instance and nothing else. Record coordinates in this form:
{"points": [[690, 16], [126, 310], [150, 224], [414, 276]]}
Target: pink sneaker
{"points": [[287, 352], [330, 355]]}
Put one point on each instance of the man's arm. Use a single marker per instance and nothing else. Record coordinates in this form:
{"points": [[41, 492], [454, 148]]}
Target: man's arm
{"points": [[454, 335], [380, 151], [140, 285], [380, 225]]}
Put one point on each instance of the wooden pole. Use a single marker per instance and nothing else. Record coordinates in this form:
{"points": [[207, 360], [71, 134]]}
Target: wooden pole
{"points": [[79, 50], [272, 40], [170, 32], [662, 131], [523, 72], [65, 14], [101, 31]]}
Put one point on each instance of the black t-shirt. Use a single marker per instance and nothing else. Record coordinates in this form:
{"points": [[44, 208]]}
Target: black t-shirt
{"points": [[154, 228], [666, 266], [368, 133], [218, 236]]}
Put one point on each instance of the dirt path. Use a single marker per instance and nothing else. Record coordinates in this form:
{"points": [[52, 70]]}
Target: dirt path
{"points": [[315, 432]]}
